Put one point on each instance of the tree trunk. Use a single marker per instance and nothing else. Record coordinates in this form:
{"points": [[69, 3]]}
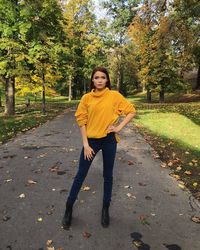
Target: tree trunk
{"points": [[118, 79], [148, 95], [198, 78], [43, 94], [162, 96], [10, 96], [70, 88]]}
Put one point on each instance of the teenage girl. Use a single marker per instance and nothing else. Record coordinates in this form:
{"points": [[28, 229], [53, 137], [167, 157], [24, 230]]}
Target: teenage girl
{"points": [[97, 115]]}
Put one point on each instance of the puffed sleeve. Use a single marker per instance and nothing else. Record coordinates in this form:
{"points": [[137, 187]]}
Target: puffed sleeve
{"points": [[124, 106], [81, 113]]}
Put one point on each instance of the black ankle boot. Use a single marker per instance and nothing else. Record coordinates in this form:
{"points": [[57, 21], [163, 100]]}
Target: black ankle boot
{"points": [[66, 221], [105, 220]]}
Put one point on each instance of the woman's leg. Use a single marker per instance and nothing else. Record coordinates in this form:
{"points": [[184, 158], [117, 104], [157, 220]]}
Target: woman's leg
{"points": [[109, 147], [84, 166]]}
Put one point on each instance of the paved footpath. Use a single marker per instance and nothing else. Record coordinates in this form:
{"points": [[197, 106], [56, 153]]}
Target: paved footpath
{"points": [[148, 209]]}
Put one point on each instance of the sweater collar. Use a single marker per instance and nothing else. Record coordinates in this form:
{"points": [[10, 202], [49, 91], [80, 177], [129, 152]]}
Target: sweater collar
{"points": [[99, 93]]}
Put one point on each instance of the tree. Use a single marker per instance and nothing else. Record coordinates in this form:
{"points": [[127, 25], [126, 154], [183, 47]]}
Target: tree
{"points": [[11, 50], [43, 39], [122, 13]]}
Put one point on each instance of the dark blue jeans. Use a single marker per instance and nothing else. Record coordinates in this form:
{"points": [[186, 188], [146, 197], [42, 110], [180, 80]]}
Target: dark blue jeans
{"points": [[108, 145]]}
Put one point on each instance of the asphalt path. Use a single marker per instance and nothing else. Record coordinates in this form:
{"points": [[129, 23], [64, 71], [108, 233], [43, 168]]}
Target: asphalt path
{"points": [[148, 209]]}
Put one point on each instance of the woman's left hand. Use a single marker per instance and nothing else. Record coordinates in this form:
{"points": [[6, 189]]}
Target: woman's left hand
{"points": [[112, 128]]}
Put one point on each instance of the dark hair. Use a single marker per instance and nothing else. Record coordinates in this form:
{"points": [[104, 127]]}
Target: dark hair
{"points": [[101, 69]]}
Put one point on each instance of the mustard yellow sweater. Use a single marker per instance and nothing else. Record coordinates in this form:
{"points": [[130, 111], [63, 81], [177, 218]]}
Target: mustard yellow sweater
{"points": [[98, 110]]}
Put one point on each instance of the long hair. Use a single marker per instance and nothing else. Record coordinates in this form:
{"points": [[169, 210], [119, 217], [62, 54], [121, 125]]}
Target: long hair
{"points": [[101, 69]]}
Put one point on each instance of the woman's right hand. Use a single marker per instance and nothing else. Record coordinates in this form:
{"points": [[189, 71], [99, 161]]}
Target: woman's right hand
{"points": [[88, 152]]}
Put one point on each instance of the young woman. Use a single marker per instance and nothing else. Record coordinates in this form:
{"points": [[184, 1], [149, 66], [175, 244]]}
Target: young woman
{"points": [[97, 115]]}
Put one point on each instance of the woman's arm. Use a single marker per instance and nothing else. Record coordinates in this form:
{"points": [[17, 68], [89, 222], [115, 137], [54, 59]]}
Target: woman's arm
{"points": [[88, 151], [126, 120], [84, 136]]}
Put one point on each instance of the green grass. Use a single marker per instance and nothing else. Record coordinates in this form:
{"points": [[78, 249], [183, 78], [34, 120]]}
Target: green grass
{"points": [[173, 130], [25, 119], [173, 126], [140, 98]]}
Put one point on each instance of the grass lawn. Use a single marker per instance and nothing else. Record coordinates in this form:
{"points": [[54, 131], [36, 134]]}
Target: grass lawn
{"points": [[173, 130], [26, 119]]}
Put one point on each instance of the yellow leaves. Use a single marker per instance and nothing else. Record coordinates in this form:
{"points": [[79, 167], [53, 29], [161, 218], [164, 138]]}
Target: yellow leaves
{"points": [[137, 243], [175, 176], [195, 184], [21, 196], [193, 162], [86, 234], [30, 182], [181, 185], [85, 188], [129, 195], [187, 172], [195, 219]]}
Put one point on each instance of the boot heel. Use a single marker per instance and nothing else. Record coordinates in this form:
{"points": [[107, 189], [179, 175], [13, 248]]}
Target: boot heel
{"points": [[105, 219], [67, 218]]}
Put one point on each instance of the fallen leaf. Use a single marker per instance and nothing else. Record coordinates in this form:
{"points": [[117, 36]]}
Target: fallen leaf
{"points": [[195, 219], [156, 156], [142, 184], [86, 188], [195, 184], [8, 180], [181, 185], [49, 242], [170, 163], [194, 161], [54, 169], [30, 182], [143, 220], [39, 219], [21, 196], [59, 172], [137, 243], [175, 176], [130, 162], [178, 168], [187, 172], [129, 194], [42, 155], [163, 165], [6, 217], [86, 234], [148, 197], [50, 248]]}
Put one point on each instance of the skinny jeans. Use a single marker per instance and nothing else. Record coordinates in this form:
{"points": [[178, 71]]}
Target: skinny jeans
{"points": [[108, 145]]}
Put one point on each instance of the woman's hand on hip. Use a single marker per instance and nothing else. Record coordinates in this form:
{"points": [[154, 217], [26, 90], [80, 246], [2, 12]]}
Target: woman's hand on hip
{"points": [[112, 128], [88, 152]]}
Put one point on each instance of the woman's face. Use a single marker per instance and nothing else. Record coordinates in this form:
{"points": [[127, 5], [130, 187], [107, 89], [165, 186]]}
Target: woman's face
{"points": [[99, 79]]}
